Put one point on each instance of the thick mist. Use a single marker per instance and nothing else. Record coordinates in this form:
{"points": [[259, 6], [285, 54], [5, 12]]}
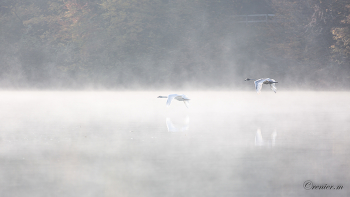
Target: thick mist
{"points": [[131, 144], [81, 114], [103, 44]]}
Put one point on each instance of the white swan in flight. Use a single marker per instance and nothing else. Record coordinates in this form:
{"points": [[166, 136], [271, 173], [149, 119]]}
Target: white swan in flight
{"points": [[179, 97], [258, 84]]}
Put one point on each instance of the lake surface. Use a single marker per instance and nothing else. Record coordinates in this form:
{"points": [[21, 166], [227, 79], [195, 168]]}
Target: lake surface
{"points": [[130, 144]]}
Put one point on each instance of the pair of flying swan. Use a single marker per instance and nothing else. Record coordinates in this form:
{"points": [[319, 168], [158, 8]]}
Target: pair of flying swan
{"points": [[258, 86]]}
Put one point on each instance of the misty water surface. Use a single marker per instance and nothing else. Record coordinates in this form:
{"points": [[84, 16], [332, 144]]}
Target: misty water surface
{"points": [[130, 144]]}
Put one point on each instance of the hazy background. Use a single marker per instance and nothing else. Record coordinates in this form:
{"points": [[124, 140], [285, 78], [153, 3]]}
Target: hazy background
{"points": [[127, 143], [173, 44]]}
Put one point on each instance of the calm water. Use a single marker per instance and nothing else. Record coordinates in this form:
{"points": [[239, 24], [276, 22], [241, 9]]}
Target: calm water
{"points": [[129, 144]]}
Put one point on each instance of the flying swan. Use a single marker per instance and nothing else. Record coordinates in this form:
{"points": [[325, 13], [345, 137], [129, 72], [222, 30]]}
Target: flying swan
{"points": [[179, 97], [258, 84]]}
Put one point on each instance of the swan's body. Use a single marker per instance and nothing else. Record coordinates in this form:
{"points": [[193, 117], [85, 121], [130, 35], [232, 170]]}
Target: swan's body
{"points": [[179, 97], [258, 84]]}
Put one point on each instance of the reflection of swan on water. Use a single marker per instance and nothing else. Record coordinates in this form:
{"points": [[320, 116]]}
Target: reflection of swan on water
{"points": [[179, 97], [172, 128], [258, 84], [259, 141]]}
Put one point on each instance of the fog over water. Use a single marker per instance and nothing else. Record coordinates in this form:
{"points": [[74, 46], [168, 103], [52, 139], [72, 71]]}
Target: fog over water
{"points": [[105, 143], [79, 82]]}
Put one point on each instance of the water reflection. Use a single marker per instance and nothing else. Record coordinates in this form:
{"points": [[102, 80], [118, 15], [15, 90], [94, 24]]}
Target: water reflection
{"points": [[91, 152], [259, 140], [179, 127]]}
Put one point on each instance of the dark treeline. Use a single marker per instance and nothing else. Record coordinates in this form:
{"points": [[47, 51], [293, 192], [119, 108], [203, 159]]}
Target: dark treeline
{"points": [[173, 43]]}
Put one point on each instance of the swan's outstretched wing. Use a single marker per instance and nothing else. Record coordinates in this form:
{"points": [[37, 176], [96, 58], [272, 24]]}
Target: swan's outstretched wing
{"points": [[187, 103], [272, 85], [258, 84], [170, 98]]}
